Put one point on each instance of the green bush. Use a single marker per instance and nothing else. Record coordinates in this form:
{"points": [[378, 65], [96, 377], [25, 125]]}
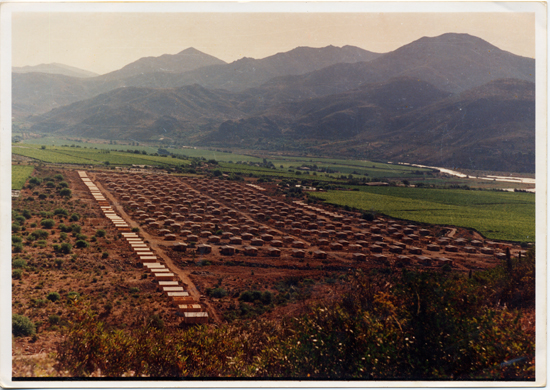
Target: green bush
{"points": [[63, 184], [39, 234], [17, 273], [15, 227], [17, 248], [105, 255], [58, 177], [65, 192], [22, 326], [61, 212], [81, 244], [76, 229], [74, 217], [16, 239], [18, 263], [100, 233], [217, 292], [66, 248], [53, 296], [35, 181], [47, 223]]}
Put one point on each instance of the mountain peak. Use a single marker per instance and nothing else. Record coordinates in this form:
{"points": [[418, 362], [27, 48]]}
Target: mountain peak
{"points": [[191, 51]]}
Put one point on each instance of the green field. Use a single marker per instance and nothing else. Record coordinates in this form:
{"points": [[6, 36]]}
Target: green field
{"points": [[19, 175], [496, 215], [90, 156]]}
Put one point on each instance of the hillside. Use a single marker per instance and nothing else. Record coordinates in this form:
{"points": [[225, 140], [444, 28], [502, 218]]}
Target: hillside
{"points": [[487, 127], [55, 68], [141, 113]]}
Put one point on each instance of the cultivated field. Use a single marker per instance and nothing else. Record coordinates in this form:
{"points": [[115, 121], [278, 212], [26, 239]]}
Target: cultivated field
{"points": [[496, 215], [19, 175]]}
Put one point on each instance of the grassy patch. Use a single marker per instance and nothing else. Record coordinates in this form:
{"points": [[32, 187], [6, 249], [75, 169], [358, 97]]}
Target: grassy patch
{"points": [[19, 175]]}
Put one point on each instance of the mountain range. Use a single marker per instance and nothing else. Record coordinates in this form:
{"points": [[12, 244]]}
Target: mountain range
{"points": [[453, 100]]}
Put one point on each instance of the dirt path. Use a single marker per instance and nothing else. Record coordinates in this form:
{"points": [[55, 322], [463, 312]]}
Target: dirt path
{"points": [[154, 245]]}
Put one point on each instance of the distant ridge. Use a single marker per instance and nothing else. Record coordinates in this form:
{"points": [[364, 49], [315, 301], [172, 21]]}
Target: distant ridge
{"points": [[55, 68], [184, 61]]}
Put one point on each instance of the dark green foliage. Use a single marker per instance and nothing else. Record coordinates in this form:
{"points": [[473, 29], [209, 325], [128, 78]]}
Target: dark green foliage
{"points": [[74, 217], [47, 223], [64, 228], [18, 263], [16, 239], [81, 244], [217, 292], [105, 255], [63, 184], [39, 234], [15, 227], [22, 326], [76, 229], [17, 273], [100, 233], [17, 248], [35, 180], [65, 192], [61, 212], [27, 214], [135, 229], [66, 248], [58, 177], [53, 296]]}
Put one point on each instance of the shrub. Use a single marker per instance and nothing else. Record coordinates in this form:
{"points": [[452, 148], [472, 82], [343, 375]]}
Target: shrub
{"points": [[18, 263], [61, 212], [15, 227], [53, 296], [64, 228], [27, 214], [42, 196], [66, 248], [58, 177], [76, 229], [16, 239], [217, 292], [135, 229], [35, 180], [17, 248], [81, 244], [100, 233], [63, 184], [81, 237], [39, 234], [54, 319], [22, 326], [41, 243], [47, 223], [74, 217], [66, 192], [134, 290], [104, 255], [50, 184], [17, 273]]}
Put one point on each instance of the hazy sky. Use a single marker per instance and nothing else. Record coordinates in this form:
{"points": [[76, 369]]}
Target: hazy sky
{"points": [[103, 42]]}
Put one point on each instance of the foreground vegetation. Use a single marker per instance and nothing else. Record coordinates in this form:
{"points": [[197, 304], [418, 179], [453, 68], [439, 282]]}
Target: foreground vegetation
{"points": [[404, 325], [496, 215]]}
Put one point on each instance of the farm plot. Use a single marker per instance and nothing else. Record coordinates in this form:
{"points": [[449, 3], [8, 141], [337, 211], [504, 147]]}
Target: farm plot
{"points": [[19, 175], [496, 215], [219, 230], [50, 155]]}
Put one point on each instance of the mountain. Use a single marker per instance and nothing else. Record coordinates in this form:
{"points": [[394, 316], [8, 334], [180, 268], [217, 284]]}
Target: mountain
{"points": [[55, 68], [487, 127], [184, 61], [248, 72], [451, 62], [141, 113], [38, 93]]}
